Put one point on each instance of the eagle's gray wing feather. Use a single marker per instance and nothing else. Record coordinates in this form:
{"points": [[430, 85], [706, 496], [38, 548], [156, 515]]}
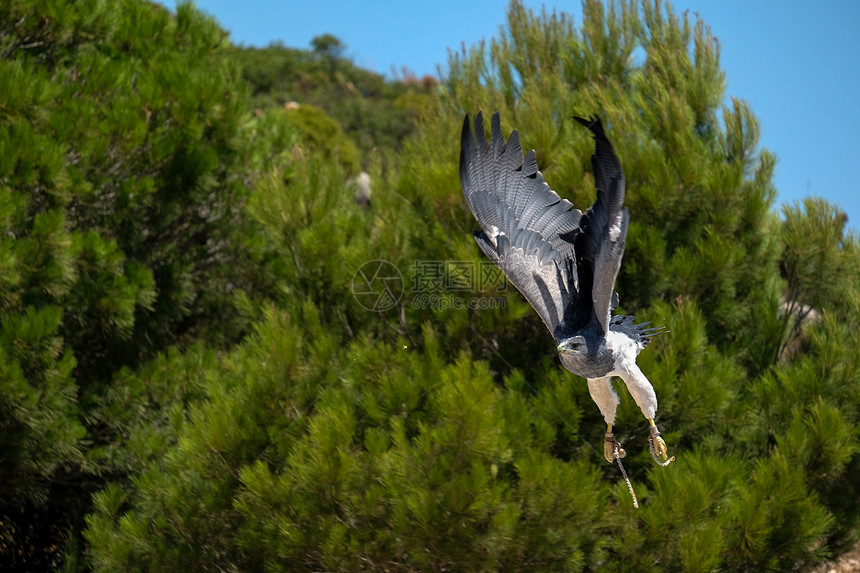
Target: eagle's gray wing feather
{"points": [[639, 333], [526, 228], [604, 225]]}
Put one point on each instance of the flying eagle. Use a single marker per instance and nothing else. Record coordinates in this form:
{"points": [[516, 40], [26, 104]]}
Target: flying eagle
{"points": [[563, 261]]}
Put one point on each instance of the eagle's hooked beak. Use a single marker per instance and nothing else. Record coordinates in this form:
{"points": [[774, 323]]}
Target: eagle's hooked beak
{"points": [[568, 347]]}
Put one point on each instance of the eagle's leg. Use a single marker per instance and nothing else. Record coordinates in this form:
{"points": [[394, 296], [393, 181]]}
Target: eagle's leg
{"points": [[610, 444], [607, 400], [658, 446]]}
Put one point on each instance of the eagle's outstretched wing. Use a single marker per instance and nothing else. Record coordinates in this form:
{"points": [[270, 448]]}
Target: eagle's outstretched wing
{"points": [[526, 228], [562, 261], [604, 225]]}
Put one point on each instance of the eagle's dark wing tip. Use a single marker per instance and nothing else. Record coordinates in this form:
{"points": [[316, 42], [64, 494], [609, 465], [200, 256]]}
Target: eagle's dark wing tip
{"points": [[467, 131], [594, 124], [465, 146], [586, 122]]}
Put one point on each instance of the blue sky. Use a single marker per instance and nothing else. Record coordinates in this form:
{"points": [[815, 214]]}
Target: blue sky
{"points": [[796, 62]]}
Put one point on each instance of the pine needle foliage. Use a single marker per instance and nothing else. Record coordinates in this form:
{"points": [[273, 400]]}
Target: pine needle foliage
{"points": [[375, 113], [189, 339], [417, 437], [121, 183]]}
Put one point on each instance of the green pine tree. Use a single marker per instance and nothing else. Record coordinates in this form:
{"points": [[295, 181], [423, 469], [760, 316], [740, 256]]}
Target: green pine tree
{"points": [[163, 222], [121, 234]]}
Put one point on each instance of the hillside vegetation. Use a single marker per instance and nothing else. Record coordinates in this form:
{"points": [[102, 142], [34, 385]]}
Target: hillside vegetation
{"points": [[195, 375]]}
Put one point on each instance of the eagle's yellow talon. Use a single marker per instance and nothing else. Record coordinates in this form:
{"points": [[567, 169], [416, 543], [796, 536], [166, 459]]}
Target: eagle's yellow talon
{"points": [[658, 446], [609, 446]]}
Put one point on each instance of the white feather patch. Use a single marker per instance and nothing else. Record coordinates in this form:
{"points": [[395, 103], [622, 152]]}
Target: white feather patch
{"points": [[615, 231], [493, 233]]}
